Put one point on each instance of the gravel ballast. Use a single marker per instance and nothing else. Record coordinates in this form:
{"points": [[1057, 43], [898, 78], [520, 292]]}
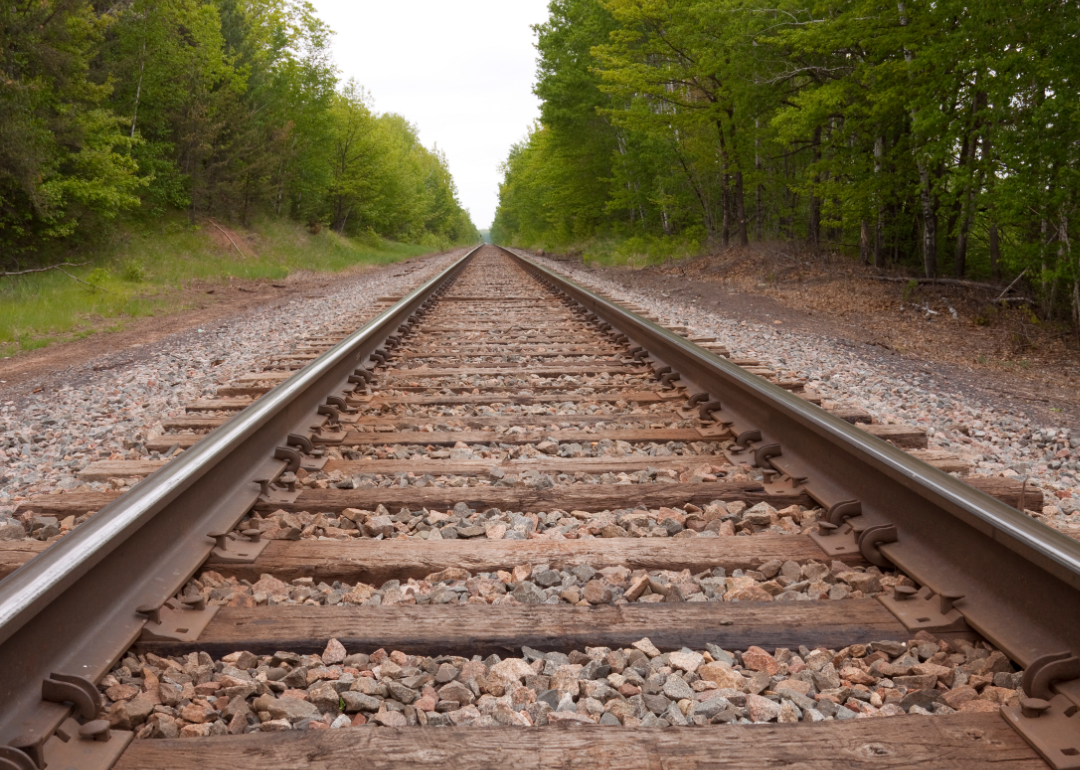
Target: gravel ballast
{"points": [[996, 442], [636, 686], [717, 519], [541, 584], [116, 405]]}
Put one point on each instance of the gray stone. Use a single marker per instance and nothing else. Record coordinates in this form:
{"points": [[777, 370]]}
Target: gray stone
{"points": [[827, 707], [892, 649], [719, 654], [922, 698], [1009, 681], [800, 700], [550, 697], [827, 678], [297, 678], [557, 658], [758, 683], [671, 526], [11, 530], [400, 692], [357, 701], [657, 704], [676, 688], [651, 720], [446, 673], [711, 708], [526, 592], [583, 572], [292, 709], [675, 717], [531, 655], [547, 578], [594, 669]]}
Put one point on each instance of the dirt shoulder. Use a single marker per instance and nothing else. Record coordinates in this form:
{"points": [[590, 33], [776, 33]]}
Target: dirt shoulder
{"points": [[1001, 358], [209, 305]]}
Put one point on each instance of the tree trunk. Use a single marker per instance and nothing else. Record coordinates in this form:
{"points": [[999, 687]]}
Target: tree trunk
{"points": [[138, 89], [864, 242], [759, 211], [960, 259], [879, 225], [965, 215], [814, 225], [929, 212], [974, 181], [879, 240], [738, 201], [725, 206], [991, 176], [740, 210], [710, 222], [995, 249], [1064, 245], [725, 191], [926, 195]]}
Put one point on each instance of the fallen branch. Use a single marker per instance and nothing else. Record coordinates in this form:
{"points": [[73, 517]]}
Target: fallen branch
{"points": [[958, 282], [223, 230], [44, 269], [946, 281], [1017, 278], [84, 283]]}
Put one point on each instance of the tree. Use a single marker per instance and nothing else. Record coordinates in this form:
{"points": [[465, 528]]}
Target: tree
{"points": [[64, 167]]}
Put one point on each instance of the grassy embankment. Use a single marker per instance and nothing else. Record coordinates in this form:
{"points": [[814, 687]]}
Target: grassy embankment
{"points": [[145, 271], [636, 251]]}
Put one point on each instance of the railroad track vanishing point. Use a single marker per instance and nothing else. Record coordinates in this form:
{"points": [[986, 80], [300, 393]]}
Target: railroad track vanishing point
{"points": [[510, 522]]}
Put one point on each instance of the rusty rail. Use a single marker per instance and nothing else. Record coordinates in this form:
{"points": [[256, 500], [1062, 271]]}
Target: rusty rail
{"points": [[981, 563], [71, 612]]}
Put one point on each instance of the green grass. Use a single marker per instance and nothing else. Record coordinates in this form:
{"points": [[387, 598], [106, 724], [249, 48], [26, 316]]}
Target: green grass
{"points": [[142, 273], [635, 251]]}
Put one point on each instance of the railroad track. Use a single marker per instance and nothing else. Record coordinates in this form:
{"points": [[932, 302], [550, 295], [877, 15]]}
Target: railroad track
{"points": [[508, 506]]}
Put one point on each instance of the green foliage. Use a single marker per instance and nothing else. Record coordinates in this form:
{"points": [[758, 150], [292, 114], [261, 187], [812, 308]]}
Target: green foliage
{"points": [[133, 271], [96, 278], [64, 162], [941, 137], [382, 180], [225, 108]]}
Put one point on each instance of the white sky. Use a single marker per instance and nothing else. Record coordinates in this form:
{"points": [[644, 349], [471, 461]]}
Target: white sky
{"points": [[462, 72]]}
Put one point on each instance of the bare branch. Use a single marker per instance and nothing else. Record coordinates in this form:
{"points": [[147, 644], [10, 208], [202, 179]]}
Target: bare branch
{"points": [[44, 269], [223, 230]]}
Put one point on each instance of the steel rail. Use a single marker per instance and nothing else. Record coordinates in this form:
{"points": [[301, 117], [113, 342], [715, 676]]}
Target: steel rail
{"points": [[1018, 580], [72, 609]]}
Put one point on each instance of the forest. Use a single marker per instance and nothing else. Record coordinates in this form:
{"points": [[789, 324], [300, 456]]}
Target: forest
{"points": [[938, 139], [218, 108]]}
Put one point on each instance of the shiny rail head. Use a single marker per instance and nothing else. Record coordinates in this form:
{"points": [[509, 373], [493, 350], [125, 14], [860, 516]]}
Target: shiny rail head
{"points": [[1021, 578], [934, 484], [24, 591]]}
